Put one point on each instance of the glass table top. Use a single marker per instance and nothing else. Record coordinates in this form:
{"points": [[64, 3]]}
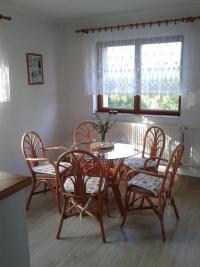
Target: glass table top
{"points": [[118, 151]]}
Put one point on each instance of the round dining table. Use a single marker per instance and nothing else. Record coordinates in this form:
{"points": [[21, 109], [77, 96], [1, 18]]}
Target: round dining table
{"points": [[116, 151], [110, 151]]}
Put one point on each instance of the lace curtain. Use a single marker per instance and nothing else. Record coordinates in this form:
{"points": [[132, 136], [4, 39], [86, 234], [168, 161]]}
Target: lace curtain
{"points": [[146, 61], [4, 70]]}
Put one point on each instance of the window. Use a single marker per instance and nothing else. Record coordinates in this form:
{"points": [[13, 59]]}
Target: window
{"points": [[149, 67], [4, 84], [4, 74]]}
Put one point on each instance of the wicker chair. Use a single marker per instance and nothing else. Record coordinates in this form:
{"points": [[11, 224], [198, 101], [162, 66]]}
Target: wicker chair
{"points": [[157, 189], [83, 186], [85, 133], [153, 147], [43, 170]]}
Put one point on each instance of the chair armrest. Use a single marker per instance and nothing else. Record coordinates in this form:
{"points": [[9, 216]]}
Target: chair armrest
{"points": [[40, 159], [36, 159], [81, 146], [56, 148], [159, 159], [81, 143]]}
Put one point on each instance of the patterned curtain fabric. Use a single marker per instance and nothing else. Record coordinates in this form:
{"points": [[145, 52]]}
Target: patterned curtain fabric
{"points": [[4, 70], [146, 61]]}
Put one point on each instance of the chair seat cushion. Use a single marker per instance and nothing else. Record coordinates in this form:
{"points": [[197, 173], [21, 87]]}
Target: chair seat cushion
{"points": [[138, 163], [92, 184], [149, 182], [47, 168]]}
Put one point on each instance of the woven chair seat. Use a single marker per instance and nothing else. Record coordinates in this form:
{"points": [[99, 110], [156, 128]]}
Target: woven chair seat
{"points": [[138, 163], [48, 168], [92, 184]]}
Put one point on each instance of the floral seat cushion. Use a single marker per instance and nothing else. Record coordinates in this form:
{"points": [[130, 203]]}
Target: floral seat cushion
{"points": [[138, 163], [92, 184], [47, 168], [149, 182]]}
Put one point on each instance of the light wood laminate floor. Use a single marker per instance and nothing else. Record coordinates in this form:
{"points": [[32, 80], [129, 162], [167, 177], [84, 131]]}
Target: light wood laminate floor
{"points": [[137, 244]]}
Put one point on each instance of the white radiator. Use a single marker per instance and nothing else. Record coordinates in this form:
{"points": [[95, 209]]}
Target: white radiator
{"points": [[133, 133]]}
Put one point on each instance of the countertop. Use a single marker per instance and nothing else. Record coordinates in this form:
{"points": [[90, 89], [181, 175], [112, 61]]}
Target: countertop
{"points": [[11, 183]]}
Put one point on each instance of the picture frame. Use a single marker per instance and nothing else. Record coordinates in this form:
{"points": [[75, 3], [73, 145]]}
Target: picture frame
{"points": [[34, 68]]}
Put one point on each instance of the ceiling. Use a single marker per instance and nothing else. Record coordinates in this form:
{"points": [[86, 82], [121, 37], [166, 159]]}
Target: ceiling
{"points": [[82, 9]]}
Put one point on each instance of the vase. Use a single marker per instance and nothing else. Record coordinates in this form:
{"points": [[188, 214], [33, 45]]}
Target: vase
{"points": [[103, 137]]}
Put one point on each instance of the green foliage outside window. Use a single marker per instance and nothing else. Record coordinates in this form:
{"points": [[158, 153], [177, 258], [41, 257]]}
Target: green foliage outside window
{"points": [[147, 102], [126, 102], [160, 102]]}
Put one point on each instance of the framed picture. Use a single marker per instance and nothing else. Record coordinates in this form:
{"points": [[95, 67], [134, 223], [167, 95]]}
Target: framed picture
{"points": [[34, 68]]}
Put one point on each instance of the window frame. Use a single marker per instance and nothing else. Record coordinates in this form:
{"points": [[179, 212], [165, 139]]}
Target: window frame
{"points": [[137, 99]]}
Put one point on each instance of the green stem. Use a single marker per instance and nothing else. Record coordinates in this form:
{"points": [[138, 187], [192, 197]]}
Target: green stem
{"points": [[103, 137]]}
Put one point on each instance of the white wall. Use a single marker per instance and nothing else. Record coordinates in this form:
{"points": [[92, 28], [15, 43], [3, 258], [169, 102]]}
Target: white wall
{"points": [[54, 108], [32, 107], [79, 107]]}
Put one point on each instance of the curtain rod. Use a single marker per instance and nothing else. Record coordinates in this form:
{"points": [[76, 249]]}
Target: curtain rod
{"points": [[139, 24], [4, 17]]}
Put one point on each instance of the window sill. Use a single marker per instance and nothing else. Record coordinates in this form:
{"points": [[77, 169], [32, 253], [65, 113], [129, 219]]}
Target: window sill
{"points": [[143, 115], [155, 115]]}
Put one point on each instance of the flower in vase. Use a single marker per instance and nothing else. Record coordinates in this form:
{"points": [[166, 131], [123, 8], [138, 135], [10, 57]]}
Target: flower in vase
{"points": [[102, 126]]}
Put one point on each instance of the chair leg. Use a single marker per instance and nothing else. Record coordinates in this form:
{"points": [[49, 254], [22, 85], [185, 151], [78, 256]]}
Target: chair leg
{"points": [[127, 197], [56, 194], [61, 219], [106, 202], [58, 198], [51, 187], [141, 203], [100, 206], [117, 195], [175, 208], [31, 195], [159, 213], [162, 229], [58, 203], [102, 230], [45, 187], [124, 218]]}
